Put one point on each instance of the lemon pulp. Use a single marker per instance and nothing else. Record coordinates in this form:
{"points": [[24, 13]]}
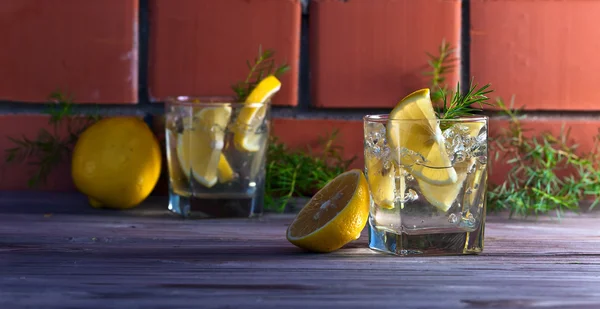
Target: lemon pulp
{"points": [[334, 216]]}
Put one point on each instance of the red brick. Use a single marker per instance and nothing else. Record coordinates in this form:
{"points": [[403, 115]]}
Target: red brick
{"points": [[300, 134], [14, 176], [85, 48], [371, 53], [543, 52], [200, 47]]}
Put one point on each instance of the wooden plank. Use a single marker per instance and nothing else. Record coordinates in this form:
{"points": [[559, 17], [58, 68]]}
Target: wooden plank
{"points": [[69, 257]]}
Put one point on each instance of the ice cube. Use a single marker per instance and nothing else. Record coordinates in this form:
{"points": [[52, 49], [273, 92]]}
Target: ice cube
{"points": [[174, 123], [456, 137], [375, 137], [461, 145]]}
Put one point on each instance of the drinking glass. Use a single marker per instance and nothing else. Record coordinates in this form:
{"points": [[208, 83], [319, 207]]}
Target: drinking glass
{"points": [[415, 215], [216, 152]]}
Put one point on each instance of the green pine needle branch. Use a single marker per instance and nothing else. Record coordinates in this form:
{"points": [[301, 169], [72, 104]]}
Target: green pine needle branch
{"points": [[440, 65], [263, 66], [461, 104], [547, 172], [293, 173], [52, 146], [452, 104]]}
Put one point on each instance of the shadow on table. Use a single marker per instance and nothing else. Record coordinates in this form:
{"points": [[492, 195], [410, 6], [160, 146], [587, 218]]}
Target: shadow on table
{"points": [[15, 202]]}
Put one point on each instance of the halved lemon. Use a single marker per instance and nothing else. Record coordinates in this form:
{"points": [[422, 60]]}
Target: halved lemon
{"points": [[416, 139], [250, 117], [381, 182], [443, 196], [334, 216], [199, 146]]}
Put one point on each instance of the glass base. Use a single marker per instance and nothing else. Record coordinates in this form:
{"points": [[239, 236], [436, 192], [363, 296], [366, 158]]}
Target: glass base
{"points": [[426, 244], [216, 207]]}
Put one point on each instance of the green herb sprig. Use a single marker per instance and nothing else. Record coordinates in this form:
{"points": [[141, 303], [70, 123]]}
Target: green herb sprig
{"points": [[50, 147], [440, 65], [292, 173], [263, 66], [546, 172], [461, 104]]}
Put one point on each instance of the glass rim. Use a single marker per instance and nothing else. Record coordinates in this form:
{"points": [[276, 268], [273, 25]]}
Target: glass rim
{"points": [[208, 101], [385, 118]]}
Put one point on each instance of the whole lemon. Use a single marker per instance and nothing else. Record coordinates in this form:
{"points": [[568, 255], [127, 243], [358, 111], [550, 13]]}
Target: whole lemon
{"points": [[116, 162]]}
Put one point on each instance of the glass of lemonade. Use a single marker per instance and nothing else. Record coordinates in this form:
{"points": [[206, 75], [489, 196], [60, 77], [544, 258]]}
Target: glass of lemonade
{"points": [[216, 151], [420, 208]]}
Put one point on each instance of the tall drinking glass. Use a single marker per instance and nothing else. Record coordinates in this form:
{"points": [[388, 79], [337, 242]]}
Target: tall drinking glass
{"points": [[216, 151], [417, 206]]}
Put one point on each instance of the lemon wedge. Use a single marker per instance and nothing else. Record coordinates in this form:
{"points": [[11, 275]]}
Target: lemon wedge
{"points": [[334, 216], [224, 170], [381, 182], [443, 196], [416, 139], [199, 146], [250, 117]]}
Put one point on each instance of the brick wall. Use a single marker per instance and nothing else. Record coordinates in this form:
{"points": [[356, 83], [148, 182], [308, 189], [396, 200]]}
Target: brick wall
{"points": [[348, 58]]}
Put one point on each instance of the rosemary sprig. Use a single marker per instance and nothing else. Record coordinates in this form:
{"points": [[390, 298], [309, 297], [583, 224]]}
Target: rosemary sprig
{"points": [[50, 147], [546, 172], [263, 66], [292, 173], [461, 103], [440, 65]]}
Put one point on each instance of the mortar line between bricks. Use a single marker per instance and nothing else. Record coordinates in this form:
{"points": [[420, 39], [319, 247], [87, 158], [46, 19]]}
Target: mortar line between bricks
{"points": [[465, 45], [15, 108], [305, 4], [358, 114], [143, 46], [304, 99], [157, 108]]}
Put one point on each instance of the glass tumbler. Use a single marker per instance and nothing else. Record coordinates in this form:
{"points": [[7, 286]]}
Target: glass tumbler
{"points": [[428, 182], [216, 152]]}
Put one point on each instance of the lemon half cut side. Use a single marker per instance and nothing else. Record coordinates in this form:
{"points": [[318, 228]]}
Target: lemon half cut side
{"points": [[334, 216]]}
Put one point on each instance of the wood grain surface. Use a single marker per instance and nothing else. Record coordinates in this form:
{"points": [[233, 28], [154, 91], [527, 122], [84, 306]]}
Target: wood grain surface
{"points": [[55, 252]]}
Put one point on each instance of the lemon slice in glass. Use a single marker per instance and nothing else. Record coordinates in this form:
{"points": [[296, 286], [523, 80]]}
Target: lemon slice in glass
{"points": [[224, 171], [381, 181], [416, 139], [250, 117], [199, 146], [443, 196]]}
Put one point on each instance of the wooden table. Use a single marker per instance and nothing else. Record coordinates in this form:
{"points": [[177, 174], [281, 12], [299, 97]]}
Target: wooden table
{"points": [[55, 252]]}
